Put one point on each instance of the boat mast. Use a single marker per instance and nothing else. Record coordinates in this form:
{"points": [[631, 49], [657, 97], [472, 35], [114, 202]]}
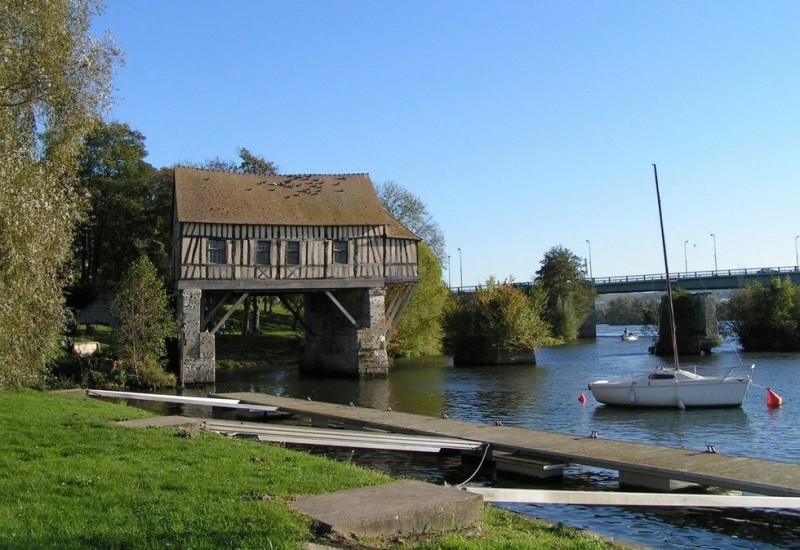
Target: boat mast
{"points": [[666, 269]]}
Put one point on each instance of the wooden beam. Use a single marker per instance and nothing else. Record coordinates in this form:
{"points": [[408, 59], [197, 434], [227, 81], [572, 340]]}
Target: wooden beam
{"points": [[228, 313], [397, 314], [342, 309], [215, 309], [608, 498], [294, 313]]}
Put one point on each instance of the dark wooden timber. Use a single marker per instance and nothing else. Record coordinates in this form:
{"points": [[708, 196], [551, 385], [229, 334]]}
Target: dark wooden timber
{"points": [[696, 466]]}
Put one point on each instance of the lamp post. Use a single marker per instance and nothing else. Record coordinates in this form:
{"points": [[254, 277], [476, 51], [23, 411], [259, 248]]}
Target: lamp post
{"points": [[715, 252], [590, 258], [449, 284], [460, 270], [796, 263], [685, 258]]}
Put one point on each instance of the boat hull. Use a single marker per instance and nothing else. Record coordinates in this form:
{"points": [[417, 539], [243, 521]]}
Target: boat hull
{"points": [[678, 392]]}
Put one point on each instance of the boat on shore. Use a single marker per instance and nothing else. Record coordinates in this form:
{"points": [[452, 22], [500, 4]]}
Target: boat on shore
{"points": [[673, 387]]}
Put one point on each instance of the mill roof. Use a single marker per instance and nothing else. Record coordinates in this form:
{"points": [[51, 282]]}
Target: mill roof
{"points": [[208, 196]]}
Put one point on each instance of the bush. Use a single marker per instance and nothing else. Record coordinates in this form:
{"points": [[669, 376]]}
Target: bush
{"points": [[497, 317], [767, 318], [145, 322]]}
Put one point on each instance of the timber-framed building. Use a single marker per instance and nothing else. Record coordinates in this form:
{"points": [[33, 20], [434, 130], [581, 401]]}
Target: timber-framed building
{"points": [[326, 237]]}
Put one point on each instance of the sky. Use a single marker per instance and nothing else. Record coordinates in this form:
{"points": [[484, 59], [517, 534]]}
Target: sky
{"points": [[522, 125]]}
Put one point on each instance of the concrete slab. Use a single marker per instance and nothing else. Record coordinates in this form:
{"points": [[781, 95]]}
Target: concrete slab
{"points": [[406, 507], [162, 422]]}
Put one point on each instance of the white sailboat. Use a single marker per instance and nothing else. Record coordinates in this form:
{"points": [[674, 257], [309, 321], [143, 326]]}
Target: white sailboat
{"points": [[673, 387]]}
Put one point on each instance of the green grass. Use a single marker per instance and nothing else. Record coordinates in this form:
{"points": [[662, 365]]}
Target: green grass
{"points": [[71, 478]]}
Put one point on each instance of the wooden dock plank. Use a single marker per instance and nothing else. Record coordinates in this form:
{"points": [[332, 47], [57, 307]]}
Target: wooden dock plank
{"points": [[696, 466]]}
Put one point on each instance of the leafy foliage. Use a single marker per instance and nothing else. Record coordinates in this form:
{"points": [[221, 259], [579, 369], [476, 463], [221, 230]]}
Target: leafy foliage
{"points": [[249, 163], [767, 318], [570, 296], [628, 311], [145, 322], [498, 316], [124, 193], [54, 81], [409, 210], [420, 329]]}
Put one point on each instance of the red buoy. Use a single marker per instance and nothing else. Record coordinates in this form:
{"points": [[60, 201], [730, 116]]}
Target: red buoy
{"points": [[773, 399], [582, 399]]}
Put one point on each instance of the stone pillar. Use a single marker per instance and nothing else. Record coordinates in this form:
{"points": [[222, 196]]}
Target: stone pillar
{"points": [[334, 346], [373, 360], [196, 347], [696, 325]]}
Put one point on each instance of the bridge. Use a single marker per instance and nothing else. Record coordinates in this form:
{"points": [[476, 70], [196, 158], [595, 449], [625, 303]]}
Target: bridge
{"points": [[695, 280]]}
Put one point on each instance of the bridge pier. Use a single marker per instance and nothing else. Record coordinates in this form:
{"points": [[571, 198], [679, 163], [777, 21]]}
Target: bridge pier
{"points": [[696, 325], [346, 333], [197, 347]]}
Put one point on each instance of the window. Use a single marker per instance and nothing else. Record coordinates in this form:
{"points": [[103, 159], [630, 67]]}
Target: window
{"points": [[263, 252], [293, 253], [216, 251], [340, 252]]}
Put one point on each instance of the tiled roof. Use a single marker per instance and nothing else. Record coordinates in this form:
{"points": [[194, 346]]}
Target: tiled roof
{"points": [[329, 199]]}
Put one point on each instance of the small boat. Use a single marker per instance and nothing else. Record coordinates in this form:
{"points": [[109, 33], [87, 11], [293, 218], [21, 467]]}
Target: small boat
{"points": [[629, 336], [673, 387]]}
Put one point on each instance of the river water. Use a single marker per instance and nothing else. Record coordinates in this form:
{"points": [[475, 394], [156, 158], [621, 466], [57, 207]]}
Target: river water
{"points": [[545, 397]]}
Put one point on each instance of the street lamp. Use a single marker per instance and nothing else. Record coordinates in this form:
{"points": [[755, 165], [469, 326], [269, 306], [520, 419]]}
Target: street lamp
{"points": [[715, 251], [460, 270], [590, 258], [685, 257], [449, 284], [796, 263]]}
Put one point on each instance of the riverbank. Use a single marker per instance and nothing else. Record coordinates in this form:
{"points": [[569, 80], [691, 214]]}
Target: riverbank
{"points": [[73, 479]]}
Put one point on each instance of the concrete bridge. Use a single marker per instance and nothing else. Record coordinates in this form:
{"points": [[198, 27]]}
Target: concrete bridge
{"points": [[725, 279]]}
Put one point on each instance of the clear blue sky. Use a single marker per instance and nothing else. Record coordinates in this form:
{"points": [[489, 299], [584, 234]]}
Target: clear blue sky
{"points": [[521, 125]]}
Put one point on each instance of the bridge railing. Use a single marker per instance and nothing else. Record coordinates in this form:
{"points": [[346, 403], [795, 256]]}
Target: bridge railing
{"points": [[777, 271], [696, 275]]}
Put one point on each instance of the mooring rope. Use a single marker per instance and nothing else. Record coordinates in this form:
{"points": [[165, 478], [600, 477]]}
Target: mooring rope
{"points": [[485, 454]]}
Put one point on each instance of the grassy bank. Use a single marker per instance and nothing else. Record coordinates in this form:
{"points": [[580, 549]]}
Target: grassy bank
{"points": [[70, 478]]}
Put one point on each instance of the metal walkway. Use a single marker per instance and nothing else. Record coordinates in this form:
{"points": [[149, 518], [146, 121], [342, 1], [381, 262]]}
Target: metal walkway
{"points": [[710, 469]]}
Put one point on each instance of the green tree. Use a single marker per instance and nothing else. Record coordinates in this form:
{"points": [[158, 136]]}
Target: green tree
{"points": [[249, 163], [145, 321], [570, 296], [420, 329], [496, 319], [121, 224], [55, 80], [411, 211], [767, 318]]}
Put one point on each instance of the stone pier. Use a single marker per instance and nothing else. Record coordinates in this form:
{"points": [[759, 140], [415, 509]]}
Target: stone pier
{"points": [[346, 333], [696, 325], [196, 346]]}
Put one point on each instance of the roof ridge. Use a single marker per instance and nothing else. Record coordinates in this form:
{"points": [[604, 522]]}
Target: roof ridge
{"points": [[235, 172]]}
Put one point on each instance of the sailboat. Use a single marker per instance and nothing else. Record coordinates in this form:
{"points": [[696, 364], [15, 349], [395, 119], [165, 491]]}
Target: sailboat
{"points": [[673, 387]]}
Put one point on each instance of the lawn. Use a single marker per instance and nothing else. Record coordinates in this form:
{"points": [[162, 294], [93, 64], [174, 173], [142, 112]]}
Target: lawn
{"points": [[71, 478]]}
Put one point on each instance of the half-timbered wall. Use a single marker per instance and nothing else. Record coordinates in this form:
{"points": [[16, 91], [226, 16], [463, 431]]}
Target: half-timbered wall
{"points": [[370, 254]]}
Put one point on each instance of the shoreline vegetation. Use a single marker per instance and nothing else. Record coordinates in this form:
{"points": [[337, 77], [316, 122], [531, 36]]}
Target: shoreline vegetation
{"points": [[74, 479]]}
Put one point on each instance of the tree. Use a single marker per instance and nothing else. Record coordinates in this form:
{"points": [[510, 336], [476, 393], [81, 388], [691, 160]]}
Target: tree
{"points": [[412, 213], [767, 318], [497, 320], [145, 321], [55, 80], [420, 329], [122, 197], [249, 163], [570, 296]]}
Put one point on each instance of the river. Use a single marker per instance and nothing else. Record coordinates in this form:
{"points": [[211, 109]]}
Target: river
{"points": [[545, 397]]}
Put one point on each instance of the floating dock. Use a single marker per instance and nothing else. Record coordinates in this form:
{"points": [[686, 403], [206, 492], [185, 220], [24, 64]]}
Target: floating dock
{"points": [[630, 459]]}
